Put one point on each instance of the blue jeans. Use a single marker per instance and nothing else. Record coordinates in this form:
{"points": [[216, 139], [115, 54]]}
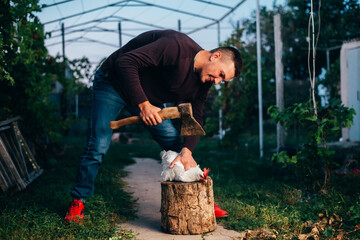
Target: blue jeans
{"points": [[106, 105]]}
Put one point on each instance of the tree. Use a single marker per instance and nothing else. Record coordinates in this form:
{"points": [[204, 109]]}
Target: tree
{"points": [[26, 71]]}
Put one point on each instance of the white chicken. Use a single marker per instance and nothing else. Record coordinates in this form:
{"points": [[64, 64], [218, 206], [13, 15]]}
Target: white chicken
{"points": [[178, 173]]}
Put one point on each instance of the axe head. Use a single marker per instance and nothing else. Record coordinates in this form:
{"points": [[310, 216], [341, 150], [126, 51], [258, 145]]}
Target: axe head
{"points": [[189, 126]]}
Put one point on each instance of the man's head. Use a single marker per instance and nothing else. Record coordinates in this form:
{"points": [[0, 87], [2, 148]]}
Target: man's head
{"points": [[220, 64]]}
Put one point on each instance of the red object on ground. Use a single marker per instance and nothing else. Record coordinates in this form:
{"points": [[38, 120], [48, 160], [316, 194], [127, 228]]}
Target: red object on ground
{"points": [[219, 213], [356, 171], [76, 212], [203, 178]]}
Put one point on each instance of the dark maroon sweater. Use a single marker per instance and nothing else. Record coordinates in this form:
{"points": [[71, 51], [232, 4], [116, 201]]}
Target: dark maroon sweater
{"points": [[158, 66]]}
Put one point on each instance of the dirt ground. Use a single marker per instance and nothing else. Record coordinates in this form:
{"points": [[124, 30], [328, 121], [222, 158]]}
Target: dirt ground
{"points": [[144, 184]]}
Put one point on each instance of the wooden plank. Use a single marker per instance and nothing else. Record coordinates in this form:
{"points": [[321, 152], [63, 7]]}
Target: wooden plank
{"points": [[16, 147], [7, 122], [4, 128], [6, 169], [20, 183], [3, 169], [13, 154], [18, 144], [3, 178], [33, 175], [26, 147]]}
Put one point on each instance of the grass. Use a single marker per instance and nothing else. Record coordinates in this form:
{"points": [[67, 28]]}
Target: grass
{"points": [[256, 193], [39, 210]]}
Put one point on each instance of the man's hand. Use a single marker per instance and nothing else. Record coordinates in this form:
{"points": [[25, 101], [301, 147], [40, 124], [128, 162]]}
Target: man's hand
{"points": [[149, 114], [185, 157]]}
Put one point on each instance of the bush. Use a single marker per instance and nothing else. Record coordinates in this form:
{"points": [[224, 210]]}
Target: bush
{"points": [[314, 156]]}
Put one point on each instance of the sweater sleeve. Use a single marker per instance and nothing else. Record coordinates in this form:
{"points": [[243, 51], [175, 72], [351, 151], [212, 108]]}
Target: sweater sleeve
{"points": [[198, 111], [162, 52]]}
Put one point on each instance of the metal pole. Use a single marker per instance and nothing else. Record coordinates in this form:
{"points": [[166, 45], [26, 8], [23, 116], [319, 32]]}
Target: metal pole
{"points": [[221, 131], [76, 105], [258, 50], [279, 73], [63, 40], [218, 31], [327, 59], [179, 25], [66, 110], [120, 38]]}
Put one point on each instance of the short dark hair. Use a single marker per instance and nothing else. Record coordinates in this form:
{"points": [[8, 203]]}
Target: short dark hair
{"points": [[235, 57]]}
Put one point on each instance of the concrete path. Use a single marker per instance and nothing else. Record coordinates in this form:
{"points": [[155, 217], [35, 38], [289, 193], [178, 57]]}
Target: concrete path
{"points": [[144, 182]]}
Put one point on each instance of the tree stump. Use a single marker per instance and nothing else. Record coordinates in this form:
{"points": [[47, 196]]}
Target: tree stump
{"points": [[187, 208]]}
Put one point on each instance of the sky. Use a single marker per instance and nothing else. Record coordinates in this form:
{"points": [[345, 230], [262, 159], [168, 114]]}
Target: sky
{"points": [[84, 32]]}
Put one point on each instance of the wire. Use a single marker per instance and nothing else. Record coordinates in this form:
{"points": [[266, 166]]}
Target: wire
{"points": [[219, 20], [58, 3], [57, 7], [88, 11], [163, 17], [198, 13], [86, 32], [145, 10]]}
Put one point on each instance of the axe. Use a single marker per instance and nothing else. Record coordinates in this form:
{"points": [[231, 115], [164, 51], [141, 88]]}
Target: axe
{"points": [[189, 126]]}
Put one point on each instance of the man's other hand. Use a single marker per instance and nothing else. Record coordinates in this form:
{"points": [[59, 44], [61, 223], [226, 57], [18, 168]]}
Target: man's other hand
{"points": [[149, 114], [186, 158]]}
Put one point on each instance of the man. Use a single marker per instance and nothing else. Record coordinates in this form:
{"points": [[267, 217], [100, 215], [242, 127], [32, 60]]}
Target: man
{"points": [[154, 68]]}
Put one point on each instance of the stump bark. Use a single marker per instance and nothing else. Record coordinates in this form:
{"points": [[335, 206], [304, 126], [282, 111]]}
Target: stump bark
{"points": [[187, 208]]}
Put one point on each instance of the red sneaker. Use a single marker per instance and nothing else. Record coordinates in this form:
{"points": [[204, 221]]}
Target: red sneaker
{"points": [[219, 213], [76, 212]]}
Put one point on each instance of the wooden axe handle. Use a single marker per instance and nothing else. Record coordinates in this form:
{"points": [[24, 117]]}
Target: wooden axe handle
{"points": [[165, 113]]}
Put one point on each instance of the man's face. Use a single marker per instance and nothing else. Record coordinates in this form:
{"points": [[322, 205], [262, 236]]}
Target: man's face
{"points": [[217, 70]]}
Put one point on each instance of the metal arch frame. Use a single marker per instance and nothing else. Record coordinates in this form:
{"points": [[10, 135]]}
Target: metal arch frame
{"points": [[219, 20], [54, 4], [139, 3], [117, 19]]}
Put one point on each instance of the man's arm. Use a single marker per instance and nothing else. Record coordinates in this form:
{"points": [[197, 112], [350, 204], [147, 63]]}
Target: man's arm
{"points": [[186, 158], [129, 64]]}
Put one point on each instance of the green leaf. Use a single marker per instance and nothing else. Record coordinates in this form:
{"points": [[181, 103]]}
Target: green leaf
{"points": [[311, 118]]}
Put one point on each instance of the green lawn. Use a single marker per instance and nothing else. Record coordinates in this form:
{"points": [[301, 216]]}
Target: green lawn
{"points": [[38, 211], [260, 195], [256, 193]]}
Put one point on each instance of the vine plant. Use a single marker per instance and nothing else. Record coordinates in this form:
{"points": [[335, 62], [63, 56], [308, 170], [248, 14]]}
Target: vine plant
{"points": [[320, 123], [314, 155]]}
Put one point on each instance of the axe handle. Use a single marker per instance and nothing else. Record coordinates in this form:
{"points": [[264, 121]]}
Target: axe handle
{"points": [[165, 113]]}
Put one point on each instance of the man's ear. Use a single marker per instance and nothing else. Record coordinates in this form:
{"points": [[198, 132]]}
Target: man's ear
{"points": [[215, 55]]}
